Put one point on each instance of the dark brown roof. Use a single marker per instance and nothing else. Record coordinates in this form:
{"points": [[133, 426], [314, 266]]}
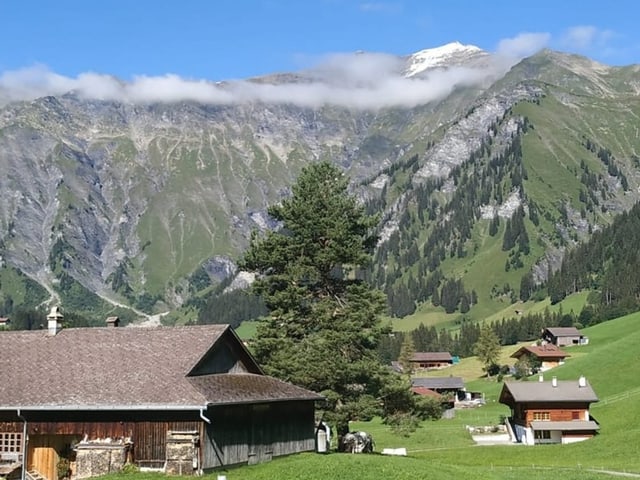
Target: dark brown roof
{"points": [[432, 357], [108, 368], [564, 331], [425, 392], [541, 351], [248, 388], [564, 391]]}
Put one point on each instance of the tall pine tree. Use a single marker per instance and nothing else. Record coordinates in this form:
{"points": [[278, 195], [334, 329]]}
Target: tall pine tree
{"points": [[324, 324]]}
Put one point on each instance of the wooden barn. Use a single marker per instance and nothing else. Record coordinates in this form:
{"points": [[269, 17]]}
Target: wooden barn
{"points": [[431, 360], [564, 336], [82, 402]]}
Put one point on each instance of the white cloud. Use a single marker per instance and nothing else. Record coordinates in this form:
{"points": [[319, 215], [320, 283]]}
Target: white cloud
{"points": [[582, 37], [523, 45], [358, 80]]}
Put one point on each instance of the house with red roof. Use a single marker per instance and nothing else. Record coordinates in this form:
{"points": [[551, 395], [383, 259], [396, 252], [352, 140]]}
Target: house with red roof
{"points": [[181, 400], [548, 355]]}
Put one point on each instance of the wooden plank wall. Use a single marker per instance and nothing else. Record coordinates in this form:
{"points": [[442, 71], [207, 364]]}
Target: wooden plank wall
{"points": [[241, 434]]}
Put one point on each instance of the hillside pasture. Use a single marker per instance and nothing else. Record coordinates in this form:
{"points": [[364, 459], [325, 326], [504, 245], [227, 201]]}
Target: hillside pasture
{"points": [[443, 449]]}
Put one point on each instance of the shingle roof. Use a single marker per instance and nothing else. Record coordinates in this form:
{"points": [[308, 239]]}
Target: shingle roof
{"points": [[100, 368], [543, 351], [438, 382], [432, 357], [424, 391], [564, 331], [567, 426], [564, 391], [248, 388]]}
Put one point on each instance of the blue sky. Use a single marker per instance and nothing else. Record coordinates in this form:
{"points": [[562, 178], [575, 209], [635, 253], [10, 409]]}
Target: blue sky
{"points": [[232, 39], [168, 51]]}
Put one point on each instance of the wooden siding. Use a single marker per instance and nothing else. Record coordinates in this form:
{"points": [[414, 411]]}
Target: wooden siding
{"points": [[255, 433], [558, 415], [44, 453], [227, 356], [523, 414], [147, 430]]}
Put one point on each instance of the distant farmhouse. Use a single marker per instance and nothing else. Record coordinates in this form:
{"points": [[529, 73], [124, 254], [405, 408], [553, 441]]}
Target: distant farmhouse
{"points": [[548, 355], [441, 385], [564, 336], [431, 360], [181, 400], [4, 322], [549, 412]]}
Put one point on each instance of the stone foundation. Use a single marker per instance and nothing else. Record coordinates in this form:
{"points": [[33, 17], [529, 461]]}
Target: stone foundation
{"points": [[100, 457], [182, 453]]}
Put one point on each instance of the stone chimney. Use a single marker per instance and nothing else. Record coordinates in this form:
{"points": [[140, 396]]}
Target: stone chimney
{"points": [[554, 382], [54, 320], [582, 381], [113, 321]]}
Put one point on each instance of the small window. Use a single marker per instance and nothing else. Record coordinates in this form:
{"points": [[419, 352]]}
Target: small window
{"points": [[10, 442], [545, 416], [542, 435], [575, 415]]}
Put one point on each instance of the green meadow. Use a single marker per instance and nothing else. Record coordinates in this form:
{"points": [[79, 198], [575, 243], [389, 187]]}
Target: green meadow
{"points": [[443, 449]]}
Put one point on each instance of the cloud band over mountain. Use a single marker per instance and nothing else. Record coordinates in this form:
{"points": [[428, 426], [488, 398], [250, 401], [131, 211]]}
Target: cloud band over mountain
{"points": [[363, 81]]}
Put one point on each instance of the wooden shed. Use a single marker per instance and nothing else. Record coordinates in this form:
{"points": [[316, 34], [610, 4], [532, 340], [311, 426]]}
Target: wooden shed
{"points": [[181, 400]]}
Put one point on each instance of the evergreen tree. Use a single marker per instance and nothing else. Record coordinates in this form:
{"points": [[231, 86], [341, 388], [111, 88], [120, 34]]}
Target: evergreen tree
{"points": [[487, 348], [323, 327], [406, 354]]}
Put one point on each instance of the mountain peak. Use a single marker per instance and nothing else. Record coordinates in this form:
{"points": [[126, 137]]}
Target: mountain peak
{"points": [[446, 55]]}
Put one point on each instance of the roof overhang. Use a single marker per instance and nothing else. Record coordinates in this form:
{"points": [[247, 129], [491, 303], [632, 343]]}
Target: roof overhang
{"points": [[573, 425], [68, 408]]}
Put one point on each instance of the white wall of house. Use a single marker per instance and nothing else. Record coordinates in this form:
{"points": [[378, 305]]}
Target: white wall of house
{"points": [[572, 439]]}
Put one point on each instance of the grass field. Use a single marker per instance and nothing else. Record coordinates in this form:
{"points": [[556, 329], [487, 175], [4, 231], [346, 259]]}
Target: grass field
{"points": [[444, 450]]}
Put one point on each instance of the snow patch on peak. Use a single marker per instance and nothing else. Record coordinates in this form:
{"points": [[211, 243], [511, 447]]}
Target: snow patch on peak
{"points": [[442, 56]]}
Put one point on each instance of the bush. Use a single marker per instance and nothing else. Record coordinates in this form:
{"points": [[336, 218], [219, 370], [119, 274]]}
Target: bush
{"points": [[130, 468]]}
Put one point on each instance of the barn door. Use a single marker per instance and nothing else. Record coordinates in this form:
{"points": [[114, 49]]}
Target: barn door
{"points": [[261, 437]]}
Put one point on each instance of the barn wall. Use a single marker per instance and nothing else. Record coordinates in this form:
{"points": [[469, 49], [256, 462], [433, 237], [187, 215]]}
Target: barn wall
{"points": [[147, 430], [255, 433]]}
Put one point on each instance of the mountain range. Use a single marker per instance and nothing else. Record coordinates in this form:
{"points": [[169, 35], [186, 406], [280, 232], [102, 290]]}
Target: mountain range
{"points": [[142, 196]]}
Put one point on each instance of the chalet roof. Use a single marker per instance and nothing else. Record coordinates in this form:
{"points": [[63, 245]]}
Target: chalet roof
{"points": [[541, 351], [564, 391], [426, 392], [111, 368], [571, 425], [248, 388], [438, 383], [564, 331], [432, 357]]}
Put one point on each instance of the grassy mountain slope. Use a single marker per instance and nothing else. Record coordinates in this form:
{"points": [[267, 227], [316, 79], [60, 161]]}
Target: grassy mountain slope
{"points": [[580, 155], [131, 201], [444, 448]]}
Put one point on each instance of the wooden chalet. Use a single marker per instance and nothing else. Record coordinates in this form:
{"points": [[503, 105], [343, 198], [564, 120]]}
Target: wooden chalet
{"points": [[182, 400], [431, 360], [549, 412], [564, 336], [453, 387], [548, 355]]}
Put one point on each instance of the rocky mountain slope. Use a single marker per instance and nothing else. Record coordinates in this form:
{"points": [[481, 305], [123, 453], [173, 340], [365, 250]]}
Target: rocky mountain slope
{"points": [[145, 203]]}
